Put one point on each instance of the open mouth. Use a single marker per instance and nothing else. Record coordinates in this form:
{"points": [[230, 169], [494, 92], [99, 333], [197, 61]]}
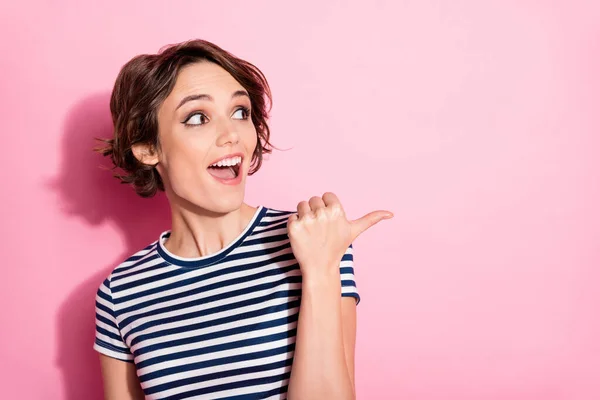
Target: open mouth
{"points": [[226, 168]]}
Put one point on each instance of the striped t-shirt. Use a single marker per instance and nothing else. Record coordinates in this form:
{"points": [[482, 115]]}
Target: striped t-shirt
{"points": [[221, 326]]}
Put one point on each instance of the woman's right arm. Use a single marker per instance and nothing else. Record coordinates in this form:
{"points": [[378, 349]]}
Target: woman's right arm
{"points": [[120, 380]]}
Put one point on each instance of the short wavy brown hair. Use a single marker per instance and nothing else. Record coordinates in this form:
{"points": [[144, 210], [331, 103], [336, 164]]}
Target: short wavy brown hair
{"points": [[141, 87]]}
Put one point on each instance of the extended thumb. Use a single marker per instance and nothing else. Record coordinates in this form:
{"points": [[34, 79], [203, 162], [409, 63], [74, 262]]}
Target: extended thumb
{"points": [[362, 224]]}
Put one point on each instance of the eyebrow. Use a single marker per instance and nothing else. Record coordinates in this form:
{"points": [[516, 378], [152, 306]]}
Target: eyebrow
{"points": [[237, 93]]}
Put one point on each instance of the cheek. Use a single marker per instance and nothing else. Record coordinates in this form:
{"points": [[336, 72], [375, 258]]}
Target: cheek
{"points": [[183, 159], [250, 138]]}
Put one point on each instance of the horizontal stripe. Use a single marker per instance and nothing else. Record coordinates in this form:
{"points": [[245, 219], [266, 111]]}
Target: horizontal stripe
{"points": [[230, 386], [227, 332], [239, 357], [217, 375]]}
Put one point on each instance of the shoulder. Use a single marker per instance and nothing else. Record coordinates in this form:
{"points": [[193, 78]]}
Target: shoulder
{"points": [[274, 214], [270, 211], [135, 262], [273, 218]]}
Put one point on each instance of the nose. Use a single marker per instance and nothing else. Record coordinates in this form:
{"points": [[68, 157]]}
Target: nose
{"points": [[227, 134]]}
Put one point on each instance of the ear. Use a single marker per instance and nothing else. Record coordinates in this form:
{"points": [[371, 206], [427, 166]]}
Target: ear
{"points": [[145, 153]]}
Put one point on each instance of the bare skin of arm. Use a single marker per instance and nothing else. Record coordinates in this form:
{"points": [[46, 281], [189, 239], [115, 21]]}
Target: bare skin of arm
{"points": [[349, 335], [323, 366], [120, 380]]}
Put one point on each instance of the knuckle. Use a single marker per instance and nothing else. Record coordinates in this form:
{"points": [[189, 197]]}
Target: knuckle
{"points": [[294, 225], [337, 208], [291, 229]]}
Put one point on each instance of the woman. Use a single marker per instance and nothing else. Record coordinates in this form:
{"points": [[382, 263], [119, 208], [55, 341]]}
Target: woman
{"points": [[212, 308]]}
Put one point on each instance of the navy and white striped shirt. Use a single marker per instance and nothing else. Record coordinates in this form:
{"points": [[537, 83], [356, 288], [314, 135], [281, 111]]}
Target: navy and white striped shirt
{"points": [[219, 326]]}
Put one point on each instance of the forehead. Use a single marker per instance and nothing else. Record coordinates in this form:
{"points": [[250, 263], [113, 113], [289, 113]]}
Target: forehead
{"points": [[204, 78]]}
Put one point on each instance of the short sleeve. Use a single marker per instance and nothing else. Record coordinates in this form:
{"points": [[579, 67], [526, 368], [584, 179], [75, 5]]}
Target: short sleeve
{"points": [[349, 288], [108, 336]]}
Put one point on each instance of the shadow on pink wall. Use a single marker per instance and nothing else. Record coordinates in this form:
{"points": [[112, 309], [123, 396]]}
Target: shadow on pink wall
{"points": [[90, 192]]}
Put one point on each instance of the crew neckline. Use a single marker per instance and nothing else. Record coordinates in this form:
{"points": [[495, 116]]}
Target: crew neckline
{"points": [[204, 261]]}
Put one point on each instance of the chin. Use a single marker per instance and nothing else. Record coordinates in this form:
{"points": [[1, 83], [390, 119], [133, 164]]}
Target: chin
{"points": [[208, 195], [226, 204]]}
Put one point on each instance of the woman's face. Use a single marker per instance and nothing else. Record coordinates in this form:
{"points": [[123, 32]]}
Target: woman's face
{"points": [[205, 119]]}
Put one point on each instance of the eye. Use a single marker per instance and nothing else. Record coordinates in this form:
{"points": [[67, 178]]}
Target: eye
{"points": [[196, 118], [241, 113]]}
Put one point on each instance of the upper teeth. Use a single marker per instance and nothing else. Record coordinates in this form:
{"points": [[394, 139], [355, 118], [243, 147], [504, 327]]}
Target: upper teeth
{"points": [[227, 162]]}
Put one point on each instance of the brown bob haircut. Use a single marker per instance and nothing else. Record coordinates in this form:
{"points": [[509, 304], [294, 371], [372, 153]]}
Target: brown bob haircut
{"points": [[141, 87]]}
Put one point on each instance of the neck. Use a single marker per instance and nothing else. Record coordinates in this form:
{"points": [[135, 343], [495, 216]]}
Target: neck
{"points": [[198, 232]]}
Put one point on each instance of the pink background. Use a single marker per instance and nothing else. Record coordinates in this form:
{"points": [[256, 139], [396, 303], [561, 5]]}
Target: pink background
{"points": [[476, 122]]}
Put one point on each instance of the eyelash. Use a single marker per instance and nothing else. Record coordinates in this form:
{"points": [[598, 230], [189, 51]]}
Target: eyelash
{"points": [[245, 109]]}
